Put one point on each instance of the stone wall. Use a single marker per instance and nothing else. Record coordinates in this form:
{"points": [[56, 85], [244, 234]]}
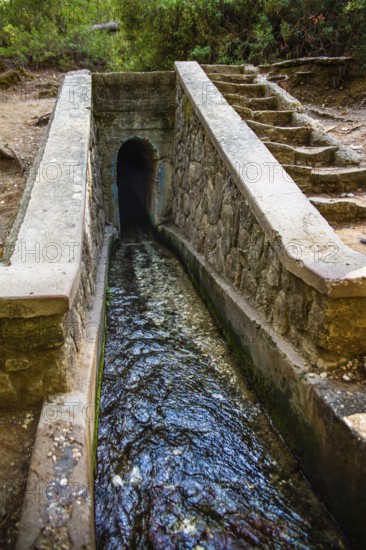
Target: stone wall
{"points": [[77, 331], [286, 290], [48, 285], [213, 213]]}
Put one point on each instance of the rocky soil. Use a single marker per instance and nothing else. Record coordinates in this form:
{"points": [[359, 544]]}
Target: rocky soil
{"points": [[25, 106], [26, 100], [348, 125], [17, 433], [336, 98]]}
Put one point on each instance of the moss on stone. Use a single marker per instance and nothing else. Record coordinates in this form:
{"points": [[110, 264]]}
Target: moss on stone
{"points": [[187, 109], [98, 396]]}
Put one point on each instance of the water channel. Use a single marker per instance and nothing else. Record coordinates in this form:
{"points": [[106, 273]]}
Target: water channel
{"points": [[187, 458]]}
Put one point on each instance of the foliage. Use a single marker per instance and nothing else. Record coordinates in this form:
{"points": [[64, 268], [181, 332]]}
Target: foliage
{"points": [[155, 33], [55, 33], [230, 31], [318, 27]]}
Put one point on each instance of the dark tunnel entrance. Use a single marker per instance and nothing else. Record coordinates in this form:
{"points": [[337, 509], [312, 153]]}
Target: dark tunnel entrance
{"points": [[136, 175]]}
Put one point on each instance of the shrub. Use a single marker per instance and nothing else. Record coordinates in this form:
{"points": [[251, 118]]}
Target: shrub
{"points": [[55, 33], [232, 31], [155, 33]]}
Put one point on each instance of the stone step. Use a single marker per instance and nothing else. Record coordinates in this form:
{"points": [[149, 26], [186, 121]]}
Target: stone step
{"points": [[333, 179], [246, 90], [232, 78], [338, 179], [223, 69], [277, 118], [302, 176], [313, 156], [258, 103], [285, 154], [305, 156], [295, 135], [339, 210]]}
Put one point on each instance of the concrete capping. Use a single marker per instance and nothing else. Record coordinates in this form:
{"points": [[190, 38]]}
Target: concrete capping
{"points": [[58, 508], [44, 271], [322, 422], [291, 223]]}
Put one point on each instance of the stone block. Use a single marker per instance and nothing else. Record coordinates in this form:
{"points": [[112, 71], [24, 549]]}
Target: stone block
{"points": [[17, 364], [280, 321], [195, 173], [7, 391], [35, 333], [198, 147], [273, 273]]}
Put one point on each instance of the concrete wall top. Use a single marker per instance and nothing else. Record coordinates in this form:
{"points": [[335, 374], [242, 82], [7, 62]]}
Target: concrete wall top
{"points": [[304, 241], [44, 269]]}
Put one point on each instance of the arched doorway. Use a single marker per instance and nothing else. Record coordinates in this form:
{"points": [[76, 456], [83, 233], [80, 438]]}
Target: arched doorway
{"points": [[136, 182]]}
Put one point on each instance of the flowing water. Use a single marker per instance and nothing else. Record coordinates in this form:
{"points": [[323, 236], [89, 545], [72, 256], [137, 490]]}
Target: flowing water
{"points": [[187, 459]]}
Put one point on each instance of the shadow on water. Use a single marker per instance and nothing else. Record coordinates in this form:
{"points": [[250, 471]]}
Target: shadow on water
{"points": [[186, 456]]}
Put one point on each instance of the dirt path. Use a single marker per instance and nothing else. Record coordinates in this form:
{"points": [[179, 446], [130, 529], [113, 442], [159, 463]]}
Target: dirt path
{"points": [[17, 433], [338, 103], [21, 107], [348, 125]]}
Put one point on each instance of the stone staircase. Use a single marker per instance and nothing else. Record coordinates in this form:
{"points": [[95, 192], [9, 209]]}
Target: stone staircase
{"points": [[329, 173]]}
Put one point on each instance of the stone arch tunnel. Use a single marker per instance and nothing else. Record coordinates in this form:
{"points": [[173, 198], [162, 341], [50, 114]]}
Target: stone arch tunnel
{"points": [[136, 181], [135, 121]]}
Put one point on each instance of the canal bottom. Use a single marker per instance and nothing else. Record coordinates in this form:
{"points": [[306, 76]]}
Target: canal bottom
{"points": [[187, 458]]}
